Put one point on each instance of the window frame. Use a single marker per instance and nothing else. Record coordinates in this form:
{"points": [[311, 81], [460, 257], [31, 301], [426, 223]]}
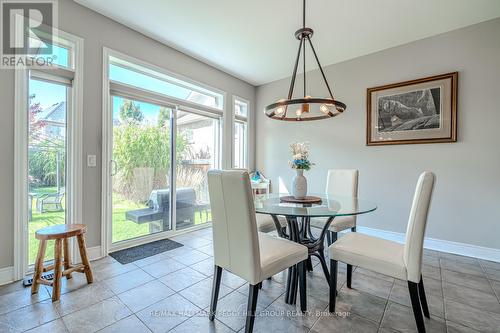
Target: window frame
{"points": [[59, 75], [160, 73], [245, 120], [113, 88]]}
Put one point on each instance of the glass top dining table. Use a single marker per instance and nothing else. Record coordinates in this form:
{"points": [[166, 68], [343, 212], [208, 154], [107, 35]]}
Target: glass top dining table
{"points": [[330, 206], [298, 225]]}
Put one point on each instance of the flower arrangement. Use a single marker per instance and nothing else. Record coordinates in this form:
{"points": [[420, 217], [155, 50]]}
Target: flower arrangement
{"points": [[300, 156]]}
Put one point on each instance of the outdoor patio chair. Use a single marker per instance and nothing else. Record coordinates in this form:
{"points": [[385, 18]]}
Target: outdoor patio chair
{"points": [[50, 202]]}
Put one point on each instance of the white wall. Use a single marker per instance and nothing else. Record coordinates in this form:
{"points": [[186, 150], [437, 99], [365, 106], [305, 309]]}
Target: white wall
{"points": [[466, 205], [97, 31]]}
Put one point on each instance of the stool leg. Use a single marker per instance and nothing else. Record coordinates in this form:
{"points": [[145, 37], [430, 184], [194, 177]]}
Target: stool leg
{"points": [[67, 257], [56, 285], [85, 259], [38, 266]]}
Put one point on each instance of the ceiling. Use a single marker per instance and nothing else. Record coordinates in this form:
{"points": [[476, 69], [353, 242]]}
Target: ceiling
{"points": [[253, 40]]}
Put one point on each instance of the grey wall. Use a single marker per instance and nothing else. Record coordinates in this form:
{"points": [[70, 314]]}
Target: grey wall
{"points": [[466, 205], [98, 31]]}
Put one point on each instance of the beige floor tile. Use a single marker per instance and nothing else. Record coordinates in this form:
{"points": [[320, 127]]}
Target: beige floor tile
{"points": [[472, 297], [129, 280], [351, 324], [19, 298], [168, 313], [97, 316], [55, 326], [468, 316], [28, 317], [145, 295], [83, 298], [163, 267], [182, 278], [200, 293], [130, 324], [400, 318]]}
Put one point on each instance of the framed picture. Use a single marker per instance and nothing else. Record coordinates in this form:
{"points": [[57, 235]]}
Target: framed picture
{"points": [[417, 111]]}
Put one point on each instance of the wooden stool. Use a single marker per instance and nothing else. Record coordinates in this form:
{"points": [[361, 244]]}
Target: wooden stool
{"points": [[61, 234]]}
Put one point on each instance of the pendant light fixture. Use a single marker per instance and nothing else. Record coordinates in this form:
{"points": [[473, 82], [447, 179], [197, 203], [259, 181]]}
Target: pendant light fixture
{"points": [[307, 107]]}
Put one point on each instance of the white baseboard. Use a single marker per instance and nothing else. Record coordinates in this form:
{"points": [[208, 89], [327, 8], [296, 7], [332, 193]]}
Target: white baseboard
{"points": [[94, 253], [463, 249], [6, 275]]}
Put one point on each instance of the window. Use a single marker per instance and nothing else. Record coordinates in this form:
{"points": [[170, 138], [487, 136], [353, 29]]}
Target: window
{"points": [[240, 134], [144, 78], [197, 150], [48, 149], [141, 169], [164, 136]]}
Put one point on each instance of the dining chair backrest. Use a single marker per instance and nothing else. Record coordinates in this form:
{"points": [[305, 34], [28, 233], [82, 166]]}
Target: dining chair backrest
{"points": [[235, 236], [416, 226], [342, 182]]}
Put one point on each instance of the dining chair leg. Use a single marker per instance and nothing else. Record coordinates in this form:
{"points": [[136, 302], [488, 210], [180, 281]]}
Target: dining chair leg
{"points": [[252, 305], [333, 285], [349, 276], [295, 285], [309, 264], [322, 260], [302, 286], [329, 238], [215, 291], [415, 304], [423, 298], [288, 283], [353, 229]]}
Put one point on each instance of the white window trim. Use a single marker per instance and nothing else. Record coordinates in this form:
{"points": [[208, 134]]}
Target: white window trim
{"points": [[138, 62], [147, 96], [247, 120], [74, 144]]}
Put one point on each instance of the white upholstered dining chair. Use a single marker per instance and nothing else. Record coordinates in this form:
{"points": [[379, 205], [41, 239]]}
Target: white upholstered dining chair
{"points": [[265, 222], [342, 183], [401, 261], [239, 248]]}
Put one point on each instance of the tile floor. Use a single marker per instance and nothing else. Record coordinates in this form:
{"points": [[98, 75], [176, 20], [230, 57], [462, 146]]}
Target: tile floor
{"points": [[168, 293]]}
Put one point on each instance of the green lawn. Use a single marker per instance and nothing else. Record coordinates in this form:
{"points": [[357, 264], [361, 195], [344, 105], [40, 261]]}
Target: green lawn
{"points": [[122, 229]]}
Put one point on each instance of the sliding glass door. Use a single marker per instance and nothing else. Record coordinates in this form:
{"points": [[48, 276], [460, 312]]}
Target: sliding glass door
{"points": [[163, 135], [197, 151], [140, 169], [47, 151], [142, 162]]}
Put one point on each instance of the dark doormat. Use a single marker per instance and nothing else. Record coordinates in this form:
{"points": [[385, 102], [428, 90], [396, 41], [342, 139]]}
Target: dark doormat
{"points": [[132, 254]]}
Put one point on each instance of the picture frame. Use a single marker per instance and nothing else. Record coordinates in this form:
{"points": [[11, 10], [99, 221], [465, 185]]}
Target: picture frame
{"points": [[411, 112]]}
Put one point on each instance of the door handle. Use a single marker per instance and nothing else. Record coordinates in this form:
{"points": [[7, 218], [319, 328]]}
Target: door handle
{"points": [[113, 167]]}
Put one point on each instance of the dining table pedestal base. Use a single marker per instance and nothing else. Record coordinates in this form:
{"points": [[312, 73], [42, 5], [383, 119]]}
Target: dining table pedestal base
{"points": [[298, 230]]}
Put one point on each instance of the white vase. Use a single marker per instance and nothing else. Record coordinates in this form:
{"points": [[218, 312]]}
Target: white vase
{"points": [[299, 185]]}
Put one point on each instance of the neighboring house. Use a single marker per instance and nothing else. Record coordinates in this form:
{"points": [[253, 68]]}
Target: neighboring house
{"points": [[54, 118]]}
